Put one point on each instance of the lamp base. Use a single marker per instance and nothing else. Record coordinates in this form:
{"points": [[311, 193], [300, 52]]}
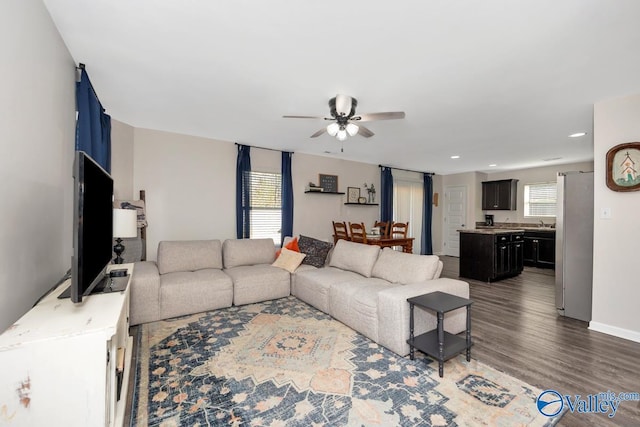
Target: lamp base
{"points": [[118, 248]]}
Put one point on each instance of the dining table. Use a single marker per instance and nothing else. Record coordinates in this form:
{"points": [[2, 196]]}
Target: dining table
{"points": [[387, 242]]}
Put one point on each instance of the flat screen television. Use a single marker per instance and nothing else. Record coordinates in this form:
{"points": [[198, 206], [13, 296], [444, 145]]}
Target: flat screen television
{"points": [[92, 226]]}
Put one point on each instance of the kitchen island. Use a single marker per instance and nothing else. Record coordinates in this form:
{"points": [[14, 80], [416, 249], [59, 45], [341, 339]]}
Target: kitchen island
{"points": [[491, 254]]}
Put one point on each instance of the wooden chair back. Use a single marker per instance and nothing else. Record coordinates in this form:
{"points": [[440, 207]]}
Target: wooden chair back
{"points": [[358, 232], [399, 229], [384, 227], [340, 231]]}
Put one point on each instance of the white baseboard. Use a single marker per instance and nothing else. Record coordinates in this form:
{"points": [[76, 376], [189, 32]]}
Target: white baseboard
{"points": [[615, 331]]}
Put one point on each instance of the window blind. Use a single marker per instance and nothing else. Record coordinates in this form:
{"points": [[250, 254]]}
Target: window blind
{"points": [[266, 205], [540, 199]]}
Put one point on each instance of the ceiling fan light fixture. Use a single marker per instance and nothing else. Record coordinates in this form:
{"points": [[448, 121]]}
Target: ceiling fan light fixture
{"points": [[343, 105], [333, 129], [341, 135], [352, 129]]}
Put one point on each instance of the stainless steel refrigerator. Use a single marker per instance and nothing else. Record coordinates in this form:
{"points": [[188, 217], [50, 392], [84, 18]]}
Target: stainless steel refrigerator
{"points": [[574, 244]]}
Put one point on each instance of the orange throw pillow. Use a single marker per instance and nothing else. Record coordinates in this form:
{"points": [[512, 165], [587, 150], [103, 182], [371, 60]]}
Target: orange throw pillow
{"points": [[292, 246]]}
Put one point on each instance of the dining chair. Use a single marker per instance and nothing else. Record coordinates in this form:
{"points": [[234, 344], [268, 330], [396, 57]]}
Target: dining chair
{"points": [[358, 232], [384, 227], [399, 229], [340, 231]]}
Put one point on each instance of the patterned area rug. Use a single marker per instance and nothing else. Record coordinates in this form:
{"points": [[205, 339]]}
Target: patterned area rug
{"points": [[284, 363]]}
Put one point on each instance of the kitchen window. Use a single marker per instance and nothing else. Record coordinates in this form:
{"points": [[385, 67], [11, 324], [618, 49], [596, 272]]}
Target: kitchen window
{"points": [[540, 199], [266, 206]]}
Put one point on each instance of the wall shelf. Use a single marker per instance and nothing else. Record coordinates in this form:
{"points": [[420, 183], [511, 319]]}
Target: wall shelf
{"points": [[323, 192], [363, 204]]}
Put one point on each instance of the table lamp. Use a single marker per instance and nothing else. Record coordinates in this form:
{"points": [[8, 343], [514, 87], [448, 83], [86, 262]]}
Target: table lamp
{"points": [[125, 224]]}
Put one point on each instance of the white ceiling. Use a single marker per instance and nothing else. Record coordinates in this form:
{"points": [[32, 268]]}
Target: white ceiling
{"points": [[494, 81]]}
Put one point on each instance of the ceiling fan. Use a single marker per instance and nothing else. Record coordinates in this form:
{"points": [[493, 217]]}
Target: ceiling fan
{"points": [[344, 118]]}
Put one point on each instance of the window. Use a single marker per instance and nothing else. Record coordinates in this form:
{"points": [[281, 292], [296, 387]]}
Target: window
{"points": [[540, 199], [266, 206]]}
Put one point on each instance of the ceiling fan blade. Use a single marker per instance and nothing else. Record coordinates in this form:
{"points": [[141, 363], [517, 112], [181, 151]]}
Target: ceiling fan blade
{"points": [[391, 115], [303, 117], [320, 132], [365, 131]]}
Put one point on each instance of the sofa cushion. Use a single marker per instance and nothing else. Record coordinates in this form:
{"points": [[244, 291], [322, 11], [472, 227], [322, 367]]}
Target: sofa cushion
{"points": [[239, 252], [356, 257], [311, 284], [189, 255], [187, 292], [316, 250], [289, 260], [400, 267], [364, 306], [255, 283]]}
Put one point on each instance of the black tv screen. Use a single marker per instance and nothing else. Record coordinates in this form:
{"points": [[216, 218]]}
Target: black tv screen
{"points": [[93, 225]]}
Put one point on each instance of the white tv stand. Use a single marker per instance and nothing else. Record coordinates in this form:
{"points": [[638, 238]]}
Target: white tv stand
{"points": [[60, 363]]}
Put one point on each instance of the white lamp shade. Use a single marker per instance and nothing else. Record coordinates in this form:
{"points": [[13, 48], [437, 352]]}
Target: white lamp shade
{"points": [[333, 129], [352, 129], [125, 223], [341, 135]]}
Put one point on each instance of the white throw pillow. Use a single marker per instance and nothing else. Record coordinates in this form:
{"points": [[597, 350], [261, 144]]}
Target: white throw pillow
{"points": [[289, 260]]}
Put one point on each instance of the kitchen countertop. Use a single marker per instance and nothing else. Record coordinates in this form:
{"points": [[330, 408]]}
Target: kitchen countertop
{"points": [[520, 228], [489, 230]]}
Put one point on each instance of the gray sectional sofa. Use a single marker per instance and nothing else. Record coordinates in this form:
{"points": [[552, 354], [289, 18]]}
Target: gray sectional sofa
{"points": [[362, 286]]}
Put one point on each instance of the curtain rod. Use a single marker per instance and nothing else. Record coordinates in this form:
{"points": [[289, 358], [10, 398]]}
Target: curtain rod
{"points": [[406, 170], [264, 148]]}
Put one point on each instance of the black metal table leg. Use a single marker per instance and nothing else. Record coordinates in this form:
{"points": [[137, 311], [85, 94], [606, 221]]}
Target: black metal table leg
{"points": [[469, 333], [411, 350], [440, 343]]}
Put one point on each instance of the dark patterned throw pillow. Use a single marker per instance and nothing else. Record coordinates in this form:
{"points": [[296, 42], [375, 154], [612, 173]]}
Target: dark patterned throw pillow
{"points": [[316, 250]]}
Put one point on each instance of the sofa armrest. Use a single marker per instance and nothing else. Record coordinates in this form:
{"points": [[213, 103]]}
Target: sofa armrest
{"points": [[144, 293], [393, 312]]}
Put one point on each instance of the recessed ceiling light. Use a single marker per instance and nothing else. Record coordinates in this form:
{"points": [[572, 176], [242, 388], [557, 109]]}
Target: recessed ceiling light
{"points": [[455, 157], [577, 134], [492, 165]]}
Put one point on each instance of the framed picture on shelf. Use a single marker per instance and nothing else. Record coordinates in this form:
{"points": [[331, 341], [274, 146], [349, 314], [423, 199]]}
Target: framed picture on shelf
{"points": [[623, 173], [353, 194], [329, 183]]}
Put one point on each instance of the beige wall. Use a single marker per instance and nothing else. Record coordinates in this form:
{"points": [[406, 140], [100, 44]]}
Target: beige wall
{"points": [[189, 183], [122, 160], [616, 270], [37, 125], [190, 187]]}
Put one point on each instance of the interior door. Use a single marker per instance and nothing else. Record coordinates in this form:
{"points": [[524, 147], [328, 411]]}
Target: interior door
{"points": [[454, 218]]}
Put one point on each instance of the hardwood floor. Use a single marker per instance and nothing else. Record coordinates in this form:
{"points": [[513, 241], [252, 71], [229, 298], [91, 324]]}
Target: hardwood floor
{"points": [[516, 329]]}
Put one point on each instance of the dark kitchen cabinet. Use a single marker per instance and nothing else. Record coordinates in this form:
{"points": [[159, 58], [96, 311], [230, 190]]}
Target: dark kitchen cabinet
{"points": [[490, 256], [516, 254], [499, 195], [540, 249]]}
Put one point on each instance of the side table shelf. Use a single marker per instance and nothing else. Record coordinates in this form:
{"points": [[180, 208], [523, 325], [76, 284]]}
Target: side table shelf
{"points": [[437, 343]]}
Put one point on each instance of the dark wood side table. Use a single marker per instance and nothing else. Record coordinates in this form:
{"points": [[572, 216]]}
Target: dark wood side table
{"points": [[439, 344]]}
